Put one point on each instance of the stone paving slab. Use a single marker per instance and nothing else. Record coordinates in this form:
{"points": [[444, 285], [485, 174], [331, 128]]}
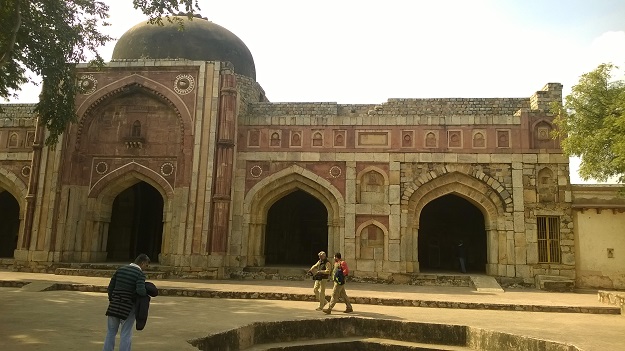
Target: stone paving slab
{"points": [[486, 284], [361, 293], [71, 320]]}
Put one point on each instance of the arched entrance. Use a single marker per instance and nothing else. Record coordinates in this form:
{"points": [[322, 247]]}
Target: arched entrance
{"points": [[445, 222], [136, 223], [9, 223], [297, 229]]}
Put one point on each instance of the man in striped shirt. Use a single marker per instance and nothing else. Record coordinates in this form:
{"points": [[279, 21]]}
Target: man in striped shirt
{"points": [[127, 283]]}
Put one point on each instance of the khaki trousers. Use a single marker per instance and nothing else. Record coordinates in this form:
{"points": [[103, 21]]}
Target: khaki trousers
{"points": [[338, 292], [320, 292]]}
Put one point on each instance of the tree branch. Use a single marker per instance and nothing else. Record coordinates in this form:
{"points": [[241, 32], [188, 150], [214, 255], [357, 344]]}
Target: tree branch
{"points": [[7, 54]]}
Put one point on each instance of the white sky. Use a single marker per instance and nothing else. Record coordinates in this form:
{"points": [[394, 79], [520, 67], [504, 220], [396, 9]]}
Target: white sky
{"points": [[366, 51]]}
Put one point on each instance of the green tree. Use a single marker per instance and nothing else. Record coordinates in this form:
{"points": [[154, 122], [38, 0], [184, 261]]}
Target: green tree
{"points": [[49, 37], [592, 124]]}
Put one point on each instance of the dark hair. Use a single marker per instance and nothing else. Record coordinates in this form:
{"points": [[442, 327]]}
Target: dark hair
{"points": [[141, 259], [337, 255]]}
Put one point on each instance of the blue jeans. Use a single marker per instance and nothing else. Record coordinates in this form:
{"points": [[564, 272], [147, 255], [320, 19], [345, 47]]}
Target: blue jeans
{"points": [[125, 337]]}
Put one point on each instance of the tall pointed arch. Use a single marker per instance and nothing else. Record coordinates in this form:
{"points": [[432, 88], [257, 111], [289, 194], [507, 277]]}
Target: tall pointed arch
{"points": [[483, 196], [100, 206], [123, 86], [264, 194]]}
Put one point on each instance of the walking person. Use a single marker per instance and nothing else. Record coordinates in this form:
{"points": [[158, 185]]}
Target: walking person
{"points": [[127, 283], [320, 272], [339, 273]]}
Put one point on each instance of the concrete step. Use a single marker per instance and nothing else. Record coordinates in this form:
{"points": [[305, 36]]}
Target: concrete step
{"points": [[97, 272], [554, 283], [484, 283]]}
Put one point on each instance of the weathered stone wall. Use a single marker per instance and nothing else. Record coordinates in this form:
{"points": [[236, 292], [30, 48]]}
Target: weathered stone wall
{"points": [[598, 222]]}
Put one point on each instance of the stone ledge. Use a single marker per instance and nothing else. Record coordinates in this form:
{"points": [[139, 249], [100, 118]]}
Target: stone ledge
{"points": [[207, 293], [614, 298], [325, 334]]}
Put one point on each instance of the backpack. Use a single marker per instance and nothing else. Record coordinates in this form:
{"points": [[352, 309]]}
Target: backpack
{"points": [[339, 276]]}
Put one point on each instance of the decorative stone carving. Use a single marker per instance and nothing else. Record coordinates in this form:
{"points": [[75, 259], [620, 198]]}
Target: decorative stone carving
{"points": [[25, 171], [167, 169], [454, 138], [253, 138], [101, 168], [184, 84], [407, 138], [503, 138], [274, 140], [256, 171], [479, 140], [335, 171], [87, 84], [339, 138], [13, 140], [431, 140], [317, 139], [296, 138]]}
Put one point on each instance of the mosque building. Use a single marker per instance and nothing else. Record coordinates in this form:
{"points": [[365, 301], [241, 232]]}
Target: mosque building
{"points": [[178, 153]]}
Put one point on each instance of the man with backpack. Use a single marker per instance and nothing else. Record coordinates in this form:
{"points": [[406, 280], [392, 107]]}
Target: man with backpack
{"points": [[320, 272], [339, 273]]}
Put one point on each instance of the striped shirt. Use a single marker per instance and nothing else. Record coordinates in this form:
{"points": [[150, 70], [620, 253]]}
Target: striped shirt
{"points": [[127, 282]]}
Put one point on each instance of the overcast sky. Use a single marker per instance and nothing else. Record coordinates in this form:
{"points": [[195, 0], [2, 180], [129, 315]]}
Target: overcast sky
{"points": [[363, 51]]}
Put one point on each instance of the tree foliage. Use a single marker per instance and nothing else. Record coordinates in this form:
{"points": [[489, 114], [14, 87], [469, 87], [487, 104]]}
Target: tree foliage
{"points": [[592, 124], [49, 37]]}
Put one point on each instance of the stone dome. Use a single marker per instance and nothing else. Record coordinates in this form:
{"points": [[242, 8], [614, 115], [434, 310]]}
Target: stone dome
{"points": [[201, 40]]}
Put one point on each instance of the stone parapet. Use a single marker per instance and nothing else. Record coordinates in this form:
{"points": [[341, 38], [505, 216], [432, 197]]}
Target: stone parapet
{"points": [[396, 107], [17, 115]]}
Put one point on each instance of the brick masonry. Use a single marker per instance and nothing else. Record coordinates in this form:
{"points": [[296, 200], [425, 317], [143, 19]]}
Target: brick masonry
{"points": [[373, 167]]}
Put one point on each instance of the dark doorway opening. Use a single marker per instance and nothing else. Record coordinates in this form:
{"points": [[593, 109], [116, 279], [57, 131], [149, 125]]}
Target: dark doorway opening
{"points": [[9, 224], [136, 224], [297, 229], [445, 222]]}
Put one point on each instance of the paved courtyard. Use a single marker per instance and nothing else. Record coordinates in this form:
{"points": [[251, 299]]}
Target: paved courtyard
{"points": [[74, 320]]}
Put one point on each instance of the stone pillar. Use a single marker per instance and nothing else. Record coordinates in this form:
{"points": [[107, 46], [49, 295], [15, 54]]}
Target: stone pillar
{"points": [[415, 251], [222, 185], [256, 244], [492, 247], [32, 186]]}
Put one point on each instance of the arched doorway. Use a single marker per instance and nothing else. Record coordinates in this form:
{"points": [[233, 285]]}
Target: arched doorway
{"points": [[444, 222], [9, 224], [136, 224], [297, 229]]}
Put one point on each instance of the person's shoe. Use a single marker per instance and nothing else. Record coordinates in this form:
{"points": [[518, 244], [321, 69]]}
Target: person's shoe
{"points": [[327, 311], [319, 308], [349, 310]]}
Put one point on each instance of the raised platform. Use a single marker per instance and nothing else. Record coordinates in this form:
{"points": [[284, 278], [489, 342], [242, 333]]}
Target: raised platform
{"points": [[233, 290]]}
